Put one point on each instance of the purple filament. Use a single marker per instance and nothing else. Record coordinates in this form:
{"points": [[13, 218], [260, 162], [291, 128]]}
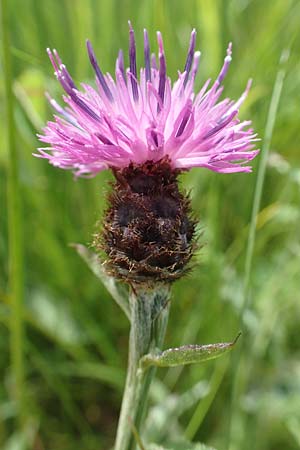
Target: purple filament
{"points": [[98, 72], [190, 57], [132, 63], [147, 56], [162, 69]]}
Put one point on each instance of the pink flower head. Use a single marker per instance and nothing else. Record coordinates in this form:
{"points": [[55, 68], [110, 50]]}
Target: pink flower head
{"points": [[134, 119]]}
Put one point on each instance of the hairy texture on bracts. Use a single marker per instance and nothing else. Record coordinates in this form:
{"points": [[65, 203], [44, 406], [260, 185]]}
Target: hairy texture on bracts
{"points": [[141, 116], [148, 232]]}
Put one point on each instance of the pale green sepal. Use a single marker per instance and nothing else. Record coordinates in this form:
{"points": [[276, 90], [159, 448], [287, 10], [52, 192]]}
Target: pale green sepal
{"points": [[187, 354], [94, 263]]}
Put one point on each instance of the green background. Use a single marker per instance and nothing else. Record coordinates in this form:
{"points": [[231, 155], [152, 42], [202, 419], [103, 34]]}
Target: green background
{"points": [[63, 353]]}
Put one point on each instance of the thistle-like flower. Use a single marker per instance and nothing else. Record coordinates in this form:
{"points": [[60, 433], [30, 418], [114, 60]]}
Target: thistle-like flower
{"points": [[147, 131]]}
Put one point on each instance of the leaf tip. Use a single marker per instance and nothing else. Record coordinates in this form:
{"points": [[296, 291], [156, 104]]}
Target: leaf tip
{"points": [[236, 339]]}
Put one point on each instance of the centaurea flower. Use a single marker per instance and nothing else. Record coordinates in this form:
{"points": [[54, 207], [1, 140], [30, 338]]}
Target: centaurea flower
{"points": [[147, 131]]}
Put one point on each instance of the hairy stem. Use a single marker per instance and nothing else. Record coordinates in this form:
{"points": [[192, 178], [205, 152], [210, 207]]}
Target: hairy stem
{"points": [[149, 312]]}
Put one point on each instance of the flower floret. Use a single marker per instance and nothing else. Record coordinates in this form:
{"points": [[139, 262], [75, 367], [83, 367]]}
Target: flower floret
{"points": [[135, 119]]}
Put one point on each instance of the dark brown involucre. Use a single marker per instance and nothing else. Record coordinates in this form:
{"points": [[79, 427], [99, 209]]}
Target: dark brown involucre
{"points": [[148, 232]]}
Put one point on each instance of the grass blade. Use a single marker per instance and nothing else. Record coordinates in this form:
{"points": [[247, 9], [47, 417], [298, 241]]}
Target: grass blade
{"points": [[271, 119], [14, 227]]}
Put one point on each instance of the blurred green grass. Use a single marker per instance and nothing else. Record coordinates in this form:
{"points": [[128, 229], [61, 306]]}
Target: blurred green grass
{"points": [[75, 345]]}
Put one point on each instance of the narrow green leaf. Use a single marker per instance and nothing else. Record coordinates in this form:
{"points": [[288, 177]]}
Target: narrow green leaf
{"points": [[187, 354], [181, 446], [270, 124], [15, 223], [94, 263], [95, 371]]}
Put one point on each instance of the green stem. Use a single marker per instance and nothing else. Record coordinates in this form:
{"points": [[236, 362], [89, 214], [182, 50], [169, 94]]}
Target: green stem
{"points": [[149, 312], [14, 226], [271, 118], [159, 332]]}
